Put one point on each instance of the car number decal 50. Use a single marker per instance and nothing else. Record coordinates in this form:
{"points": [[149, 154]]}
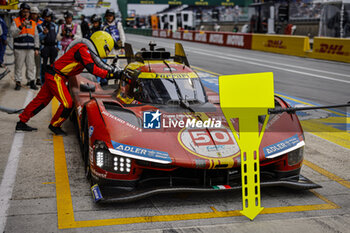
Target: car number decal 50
{"points": [[215, 143]]}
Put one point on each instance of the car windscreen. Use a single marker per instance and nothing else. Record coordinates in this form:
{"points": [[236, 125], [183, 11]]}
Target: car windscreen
{"points": [[171, 91]]}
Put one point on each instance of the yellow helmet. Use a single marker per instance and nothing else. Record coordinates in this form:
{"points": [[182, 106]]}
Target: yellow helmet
{"points": [[103, 42]]}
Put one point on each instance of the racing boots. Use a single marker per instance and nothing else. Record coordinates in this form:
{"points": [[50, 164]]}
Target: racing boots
{"points": [[57, 130], [21, 126], [32, 85]]}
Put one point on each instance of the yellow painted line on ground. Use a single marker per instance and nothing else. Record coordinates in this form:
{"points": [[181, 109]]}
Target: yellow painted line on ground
{"points": [[65, 212], [49, 183], [327, 174], [342, 120], [207, 71], [337, 136]]}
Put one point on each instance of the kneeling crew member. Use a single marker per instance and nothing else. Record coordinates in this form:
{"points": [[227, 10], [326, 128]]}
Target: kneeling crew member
{"points": [[80, 54]]}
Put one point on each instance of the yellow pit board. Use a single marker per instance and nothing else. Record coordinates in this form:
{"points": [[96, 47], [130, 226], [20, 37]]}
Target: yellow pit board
{"points": [[246, 97]]}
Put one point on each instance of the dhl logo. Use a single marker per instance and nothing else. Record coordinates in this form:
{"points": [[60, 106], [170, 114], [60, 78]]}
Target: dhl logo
{"points": [[275, 44], [332, 49]]}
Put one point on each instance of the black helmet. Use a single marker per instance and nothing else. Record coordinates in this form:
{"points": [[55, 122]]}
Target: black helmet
{"points": [[92, 17], [110, 11], [47, 13], [96, 18], [24, 6], [68, 14]]}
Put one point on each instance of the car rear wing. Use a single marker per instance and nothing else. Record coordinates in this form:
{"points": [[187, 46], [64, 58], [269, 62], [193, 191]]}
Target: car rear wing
{"points": [[155, 54]]}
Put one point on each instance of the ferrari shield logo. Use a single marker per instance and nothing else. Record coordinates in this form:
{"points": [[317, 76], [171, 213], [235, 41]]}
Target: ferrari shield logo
{"points": [[151, 120]]}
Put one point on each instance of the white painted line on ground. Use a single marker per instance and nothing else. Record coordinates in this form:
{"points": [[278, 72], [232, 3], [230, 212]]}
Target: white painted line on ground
{"points": [[9, 176], [260, 63]]}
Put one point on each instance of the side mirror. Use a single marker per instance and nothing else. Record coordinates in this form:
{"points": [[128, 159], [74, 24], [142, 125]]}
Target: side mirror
{"points": [[86, 87]]}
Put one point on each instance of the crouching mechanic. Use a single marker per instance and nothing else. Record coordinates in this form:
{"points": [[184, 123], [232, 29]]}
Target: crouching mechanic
{"points": [[81, 53]]}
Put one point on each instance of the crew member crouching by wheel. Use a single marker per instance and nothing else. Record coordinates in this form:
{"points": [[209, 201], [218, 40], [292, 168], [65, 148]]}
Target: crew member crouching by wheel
{"points": [[80, 54]]}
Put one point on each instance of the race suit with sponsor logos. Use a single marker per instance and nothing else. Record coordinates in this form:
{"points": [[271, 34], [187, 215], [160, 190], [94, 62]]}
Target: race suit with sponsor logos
{"points": [[71, 63]]}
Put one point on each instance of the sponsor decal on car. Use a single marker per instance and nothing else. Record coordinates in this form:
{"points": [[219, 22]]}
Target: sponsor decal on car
{"points": [[91, 131], [222, 187], [168, 75], [216, 143], [96, 193], [283, 147], [121, 121], [140, 153]]}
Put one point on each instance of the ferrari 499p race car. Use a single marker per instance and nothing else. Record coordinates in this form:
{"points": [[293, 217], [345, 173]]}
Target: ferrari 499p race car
{"points": [[158, 129]]}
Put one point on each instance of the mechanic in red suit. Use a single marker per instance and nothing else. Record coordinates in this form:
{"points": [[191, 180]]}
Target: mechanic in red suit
{"points": [[81, 53]]}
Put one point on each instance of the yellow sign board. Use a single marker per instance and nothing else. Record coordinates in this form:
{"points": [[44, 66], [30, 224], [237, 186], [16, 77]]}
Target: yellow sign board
{"points": [[253, 95]]}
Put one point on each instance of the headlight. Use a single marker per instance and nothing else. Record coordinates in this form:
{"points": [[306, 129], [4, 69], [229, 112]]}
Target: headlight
{"points": [[99, 158], [295, 156], [121, 164], [111, 162]]}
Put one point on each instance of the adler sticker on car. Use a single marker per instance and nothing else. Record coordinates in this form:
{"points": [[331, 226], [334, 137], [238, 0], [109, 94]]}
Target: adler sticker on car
{"points": [[283, 147], [140, 153]]}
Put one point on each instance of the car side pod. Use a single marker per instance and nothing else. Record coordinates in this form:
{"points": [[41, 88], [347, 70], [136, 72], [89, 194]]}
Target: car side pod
{"points": [[255, 93]]}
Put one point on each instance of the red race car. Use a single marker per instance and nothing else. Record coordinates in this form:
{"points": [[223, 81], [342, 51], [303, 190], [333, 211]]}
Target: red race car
{"points": [[159, 130]]}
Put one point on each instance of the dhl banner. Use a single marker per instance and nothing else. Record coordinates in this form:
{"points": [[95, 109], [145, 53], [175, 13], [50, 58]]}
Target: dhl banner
{"points": [[290, 45], [331, 49]]}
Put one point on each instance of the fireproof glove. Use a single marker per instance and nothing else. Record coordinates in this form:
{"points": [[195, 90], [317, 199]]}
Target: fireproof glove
{"points": [[115, 73]]}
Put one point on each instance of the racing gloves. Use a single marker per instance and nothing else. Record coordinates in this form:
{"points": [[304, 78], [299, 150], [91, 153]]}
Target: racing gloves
{"points": [[114, 73]]}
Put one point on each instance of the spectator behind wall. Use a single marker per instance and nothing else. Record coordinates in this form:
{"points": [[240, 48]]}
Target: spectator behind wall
{"points": [[68, 31]]}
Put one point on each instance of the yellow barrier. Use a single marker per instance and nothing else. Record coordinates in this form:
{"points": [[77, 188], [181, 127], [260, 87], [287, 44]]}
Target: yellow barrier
{"points": [[335, 49], [290, 45]]}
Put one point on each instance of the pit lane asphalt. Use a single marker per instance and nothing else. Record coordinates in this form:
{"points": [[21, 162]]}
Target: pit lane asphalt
{"points": [[33, 203]]}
